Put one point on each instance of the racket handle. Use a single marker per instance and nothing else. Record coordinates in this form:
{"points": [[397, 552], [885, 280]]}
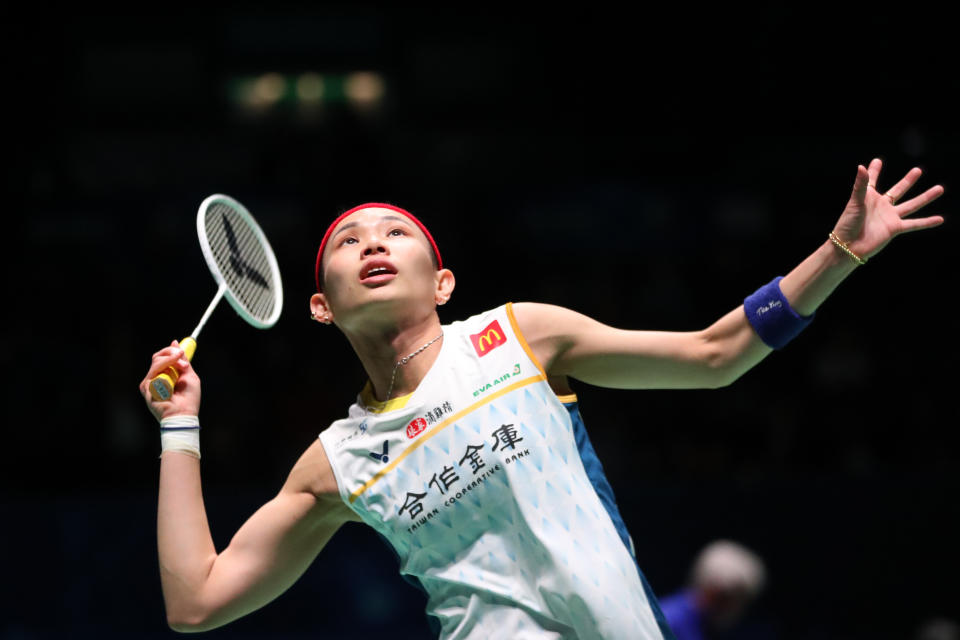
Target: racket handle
{"points": [[161, 387]]}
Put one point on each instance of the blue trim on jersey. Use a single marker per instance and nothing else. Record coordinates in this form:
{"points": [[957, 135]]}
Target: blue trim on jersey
{"points": [[605, 492]]}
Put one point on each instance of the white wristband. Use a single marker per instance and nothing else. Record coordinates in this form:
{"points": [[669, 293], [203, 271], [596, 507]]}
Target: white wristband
{"points": [[180, 433]]}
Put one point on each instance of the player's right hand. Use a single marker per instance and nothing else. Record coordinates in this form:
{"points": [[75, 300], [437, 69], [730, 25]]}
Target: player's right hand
{"points": [[186, 393]]}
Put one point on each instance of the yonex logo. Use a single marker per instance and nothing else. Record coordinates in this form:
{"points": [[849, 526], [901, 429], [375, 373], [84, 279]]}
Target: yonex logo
{"points": [[491, 337], [382, 457], [239, 265]]}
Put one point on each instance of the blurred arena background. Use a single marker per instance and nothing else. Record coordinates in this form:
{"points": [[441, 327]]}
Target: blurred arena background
{"points": [[649, 168]]}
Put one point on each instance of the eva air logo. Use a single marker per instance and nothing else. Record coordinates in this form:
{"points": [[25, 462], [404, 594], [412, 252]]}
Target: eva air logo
{"points": [[382, 456]]}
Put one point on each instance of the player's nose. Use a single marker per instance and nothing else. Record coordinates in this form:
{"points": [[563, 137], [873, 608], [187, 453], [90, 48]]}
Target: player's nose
{"points": [[374, 245]]}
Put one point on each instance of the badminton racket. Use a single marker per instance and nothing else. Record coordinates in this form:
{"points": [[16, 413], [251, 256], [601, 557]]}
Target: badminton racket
{"points": [[244, 267]]}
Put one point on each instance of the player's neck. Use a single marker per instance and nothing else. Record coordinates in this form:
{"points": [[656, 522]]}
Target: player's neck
{"points": [[380, 351]]}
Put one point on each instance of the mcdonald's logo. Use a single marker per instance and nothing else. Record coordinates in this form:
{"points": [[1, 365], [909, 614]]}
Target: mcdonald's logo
{"points": [[491, 337]]}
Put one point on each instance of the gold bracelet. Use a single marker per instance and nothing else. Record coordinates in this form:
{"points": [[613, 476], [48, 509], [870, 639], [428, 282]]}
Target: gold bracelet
{"points": [[843, 247]]}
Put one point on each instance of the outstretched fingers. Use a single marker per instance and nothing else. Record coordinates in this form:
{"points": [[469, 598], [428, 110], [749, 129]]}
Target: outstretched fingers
{"points": [[873, 172], [860, 184], [900, 189], [913, 205], [916, 224]]}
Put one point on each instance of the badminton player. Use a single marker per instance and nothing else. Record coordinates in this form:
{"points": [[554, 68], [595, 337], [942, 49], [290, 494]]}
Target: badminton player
{"points": [[465, 449]]}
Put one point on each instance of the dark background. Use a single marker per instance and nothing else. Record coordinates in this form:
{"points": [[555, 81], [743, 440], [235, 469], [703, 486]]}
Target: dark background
{"points": [[648, 168]]}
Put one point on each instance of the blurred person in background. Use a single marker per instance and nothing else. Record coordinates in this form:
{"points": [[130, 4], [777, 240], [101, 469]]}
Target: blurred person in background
{"points": [[725, 580], [938, 629]]}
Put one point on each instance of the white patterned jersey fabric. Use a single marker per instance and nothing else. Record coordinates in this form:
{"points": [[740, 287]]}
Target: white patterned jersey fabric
{"points": [[477, 482]]}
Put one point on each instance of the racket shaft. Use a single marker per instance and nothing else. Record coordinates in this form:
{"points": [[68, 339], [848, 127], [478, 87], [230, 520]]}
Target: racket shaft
{"points": [[161, 387], [210, 308]]}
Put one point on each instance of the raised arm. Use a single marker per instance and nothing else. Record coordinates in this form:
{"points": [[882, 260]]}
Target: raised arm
{"points": [[571, 344], [203, 589]]}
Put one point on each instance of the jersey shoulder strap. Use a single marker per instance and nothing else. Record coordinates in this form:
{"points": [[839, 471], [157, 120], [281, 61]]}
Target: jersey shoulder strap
{"points": [[494, 338]]}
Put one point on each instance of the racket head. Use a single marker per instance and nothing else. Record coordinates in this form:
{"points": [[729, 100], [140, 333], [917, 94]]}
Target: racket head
{"points": [[240, 259]]}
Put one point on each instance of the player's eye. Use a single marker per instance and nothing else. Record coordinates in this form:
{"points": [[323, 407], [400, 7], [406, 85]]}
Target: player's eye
{"points": [[349, 240], [397, 232]]}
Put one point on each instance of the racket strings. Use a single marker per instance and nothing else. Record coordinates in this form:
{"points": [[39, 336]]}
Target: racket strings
{"points": [[241, 259]]}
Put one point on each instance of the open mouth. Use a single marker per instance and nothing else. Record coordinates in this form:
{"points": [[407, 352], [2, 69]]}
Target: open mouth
{"points": [[377, 271]]}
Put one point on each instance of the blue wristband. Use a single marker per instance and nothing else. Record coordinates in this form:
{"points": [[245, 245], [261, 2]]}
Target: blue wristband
{"points": [[772, 317]]}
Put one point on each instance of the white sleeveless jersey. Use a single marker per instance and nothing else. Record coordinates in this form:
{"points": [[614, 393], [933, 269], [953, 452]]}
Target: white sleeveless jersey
{"points": [[477, 482]]}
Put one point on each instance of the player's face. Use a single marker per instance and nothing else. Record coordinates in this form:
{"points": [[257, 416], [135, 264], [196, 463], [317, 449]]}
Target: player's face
{"points": [[377, 256]]}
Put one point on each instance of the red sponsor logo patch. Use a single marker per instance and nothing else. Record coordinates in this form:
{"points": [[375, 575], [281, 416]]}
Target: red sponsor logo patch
{"points": [[416, 427], [491, 337]]}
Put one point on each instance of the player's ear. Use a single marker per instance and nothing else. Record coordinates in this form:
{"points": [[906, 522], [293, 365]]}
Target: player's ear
{"points": [[445, 284], [319, 309]]}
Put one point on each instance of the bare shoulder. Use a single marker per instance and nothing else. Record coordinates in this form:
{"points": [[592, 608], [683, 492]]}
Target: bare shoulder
{"points": [[313, 475], [548, 329], [540, 321], [534, 311]]}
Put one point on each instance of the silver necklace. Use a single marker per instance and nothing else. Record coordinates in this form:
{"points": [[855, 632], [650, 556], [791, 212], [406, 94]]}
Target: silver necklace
{"points": [[405, 360]]}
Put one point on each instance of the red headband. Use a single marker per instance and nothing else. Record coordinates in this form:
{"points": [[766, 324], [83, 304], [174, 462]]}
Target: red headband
{"points": [[380, 205]]}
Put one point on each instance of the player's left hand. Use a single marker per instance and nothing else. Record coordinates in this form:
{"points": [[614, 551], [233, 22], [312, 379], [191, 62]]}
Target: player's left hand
{"points": [[873, 217]]}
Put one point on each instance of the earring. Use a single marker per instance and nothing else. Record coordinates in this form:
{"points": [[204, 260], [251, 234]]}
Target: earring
{"points": [[325, 319]]}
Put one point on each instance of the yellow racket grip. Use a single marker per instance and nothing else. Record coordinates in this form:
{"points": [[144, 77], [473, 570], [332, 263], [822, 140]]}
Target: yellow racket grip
{"points": [[161, 387]]}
